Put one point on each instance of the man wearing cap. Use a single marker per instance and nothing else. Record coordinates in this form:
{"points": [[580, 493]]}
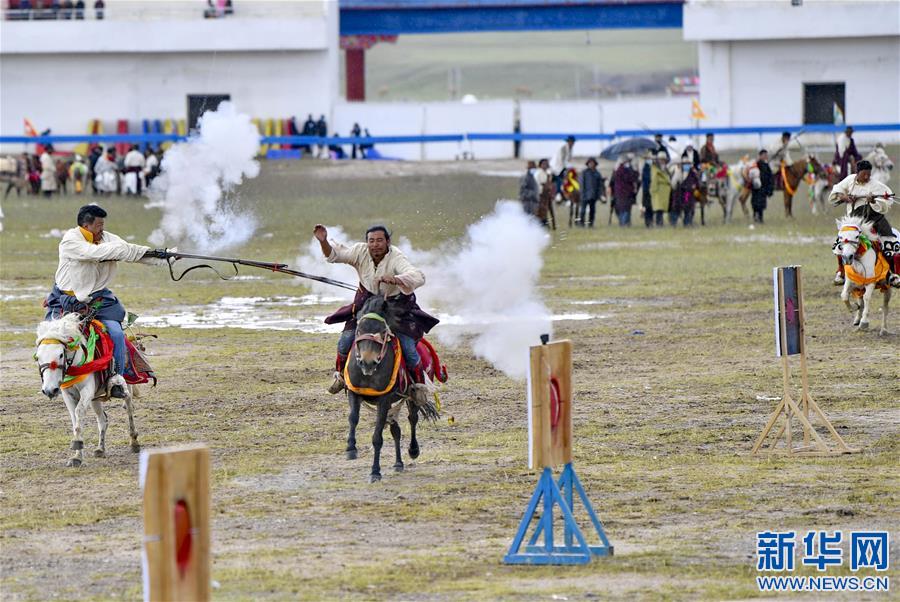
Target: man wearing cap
{"points": [[761, 185], [592, 187], [845, 153], [870, 200]]}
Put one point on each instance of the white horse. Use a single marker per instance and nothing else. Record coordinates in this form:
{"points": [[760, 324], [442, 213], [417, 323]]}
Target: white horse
{"points": [[60, 345], [881, 164], [864, 269]]}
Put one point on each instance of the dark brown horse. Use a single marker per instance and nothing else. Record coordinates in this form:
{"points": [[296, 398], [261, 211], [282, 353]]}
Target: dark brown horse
{"points": [[374, 376]]}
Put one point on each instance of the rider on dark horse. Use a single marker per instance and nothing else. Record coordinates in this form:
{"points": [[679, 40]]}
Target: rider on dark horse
{"points": [[383, 269]]}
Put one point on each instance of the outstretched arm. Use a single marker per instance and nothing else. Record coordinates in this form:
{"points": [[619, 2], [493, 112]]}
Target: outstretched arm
{"points": [[115, 250], [321, 234]]}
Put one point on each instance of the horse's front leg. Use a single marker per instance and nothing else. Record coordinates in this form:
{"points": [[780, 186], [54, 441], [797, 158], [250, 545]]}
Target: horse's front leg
{"points": [[845, 297], [413, 421], [132, 431], [354, 420], [788, 201], [884, 312], [71, 406], [395, 433], [102, 422], [378, 437], [85, 398], [866, 305]]}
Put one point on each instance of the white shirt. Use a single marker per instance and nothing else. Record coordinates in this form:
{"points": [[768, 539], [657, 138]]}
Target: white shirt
{"points": [[152, 162], [134, 158], [843, 143], [562, 158], [103, 165], [851, 187], [85, 267], [394, 263], [782, 151]]}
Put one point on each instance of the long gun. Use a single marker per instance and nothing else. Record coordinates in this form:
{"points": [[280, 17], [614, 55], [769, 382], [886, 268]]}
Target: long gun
{"points": [[172, 256], [869, 198]]}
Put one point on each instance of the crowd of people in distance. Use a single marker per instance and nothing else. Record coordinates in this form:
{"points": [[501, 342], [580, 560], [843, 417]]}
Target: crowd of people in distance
{"points": [[332, 150], [65, 10], [102, 171], [672, 179]]}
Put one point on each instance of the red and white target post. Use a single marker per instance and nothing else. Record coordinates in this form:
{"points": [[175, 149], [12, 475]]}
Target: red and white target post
{"points": [[550, 445], [175, 559]]}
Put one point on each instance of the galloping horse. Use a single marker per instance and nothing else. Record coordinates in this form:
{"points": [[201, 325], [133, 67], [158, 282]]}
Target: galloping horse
{"points": [[792, 175], [62, 344], [864, 269], [374, 375]]}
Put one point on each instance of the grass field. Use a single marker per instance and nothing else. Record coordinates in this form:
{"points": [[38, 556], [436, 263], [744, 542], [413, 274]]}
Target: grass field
{"points": [[540, 65], [664, 420]]}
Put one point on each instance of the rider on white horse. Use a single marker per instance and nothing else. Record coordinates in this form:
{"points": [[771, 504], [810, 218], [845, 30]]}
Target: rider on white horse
{"points": [[869, 200], [87, 263], [384, 269]]}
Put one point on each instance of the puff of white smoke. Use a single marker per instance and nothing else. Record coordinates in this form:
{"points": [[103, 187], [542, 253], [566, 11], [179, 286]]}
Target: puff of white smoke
{"points": [[311, 261], [484, 287], [488, 285], [197, 180]]}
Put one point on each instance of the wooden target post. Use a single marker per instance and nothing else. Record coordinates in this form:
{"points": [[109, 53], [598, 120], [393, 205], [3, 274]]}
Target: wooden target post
{"points": [[175, 482], [550, 445], [790, 339]]}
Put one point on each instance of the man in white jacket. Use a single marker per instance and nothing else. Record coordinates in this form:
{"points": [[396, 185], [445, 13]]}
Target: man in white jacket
{"points": [[88, 256]]}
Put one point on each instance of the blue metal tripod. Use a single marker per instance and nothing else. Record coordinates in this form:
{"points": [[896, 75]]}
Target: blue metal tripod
{"points": [[560, 494]]}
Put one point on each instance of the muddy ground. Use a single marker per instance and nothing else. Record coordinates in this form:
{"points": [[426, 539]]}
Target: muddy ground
{"points": [[674, 377]]}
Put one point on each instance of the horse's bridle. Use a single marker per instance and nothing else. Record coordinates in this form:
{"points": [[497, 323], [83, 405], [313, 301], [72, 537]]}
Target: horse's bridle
{"points": [[382, 338], [67, 361]]}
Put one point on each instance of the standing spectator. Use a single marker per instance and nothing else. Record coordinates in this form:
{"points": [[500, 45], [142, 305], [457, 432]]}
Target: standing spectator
{"points": [[625, 185], [79, 10], [592, 186], [365, 148], [106, 173], [846, 154], [78, 174], [355, 133], [134, 167], [544, 179], [763, 185], [647, 204], [34, 174], [686, 195], [48, 174], [309, 129], [529, 192], [708, 153], [99, 5], [66, 9], [93, 157], [690, 153], [322, 132], [661, 146], [660, 188], [675, 148], [562, 161], [151, 166]]}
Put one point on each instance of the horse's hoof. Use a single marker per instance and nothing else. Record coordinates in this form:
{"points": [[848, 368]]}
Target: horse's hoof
{"points": [[99, 453], [374, 478], [884, 332], [398, 467], [351, 454], [73, 463], [413, 452], [864, 326], [135, 447]]}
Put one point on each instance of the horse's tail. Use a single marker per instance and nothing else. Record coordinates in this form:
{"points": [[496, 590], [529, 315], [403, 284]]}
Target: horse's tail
{"points": [[429, 408]]}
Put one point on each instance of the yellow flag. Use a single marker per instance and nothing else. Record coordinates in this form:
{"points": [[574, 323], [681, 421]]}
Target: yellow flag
{"points": [[696, 111]]}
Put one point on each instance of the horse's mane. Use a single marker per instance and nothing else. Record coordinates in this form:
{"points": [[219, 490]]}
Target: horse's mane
{"points": [[65, 328], [865, 227]]}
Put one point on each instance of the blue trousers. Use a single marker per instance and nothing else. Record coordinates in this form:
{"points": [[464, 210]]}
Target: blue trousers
{"points": [[120, 352], [407, 347]]}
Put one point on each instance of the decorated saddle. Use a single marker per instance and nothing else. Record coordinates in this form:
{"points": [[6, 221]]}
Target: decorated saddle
{"points": [[400, 379], [98, 348]]}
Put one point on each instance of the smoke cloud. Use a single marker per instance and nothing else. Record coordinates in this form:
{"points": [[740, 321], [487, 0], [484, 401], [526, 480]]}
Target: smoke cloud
{"points": [[482, 287], [196, 185]]}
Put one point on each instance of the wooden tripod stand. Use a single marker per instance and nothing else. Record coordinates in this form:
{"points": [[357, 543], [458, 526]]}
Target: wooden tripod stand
{"points": [[790, 318]]}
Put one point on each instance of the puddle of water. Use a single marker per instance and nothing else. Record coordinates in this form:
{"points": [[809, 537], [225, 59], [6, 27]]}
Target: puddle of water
{"points": [[496, 173], [770, 239], [643, 244]]}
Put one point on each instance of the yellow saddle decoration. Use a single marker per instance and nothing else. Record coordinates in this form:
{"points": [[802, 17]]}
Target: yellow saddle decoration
{"points": [[372, 392], [881, 272]]}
